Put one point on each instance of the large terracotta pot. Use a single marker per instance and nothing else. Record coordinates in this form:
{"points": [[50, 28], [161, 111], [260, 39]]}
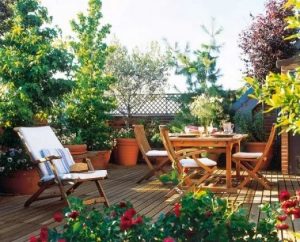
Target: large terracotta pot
{"points": [[260, 147], [79, 149], [100, 158], [20, 182], [127, 151]]}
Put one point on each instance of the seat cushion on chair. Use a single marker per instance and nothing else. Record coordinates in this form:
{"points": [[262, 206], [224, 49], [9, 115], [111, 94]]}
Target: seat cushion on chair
{"points": [[193, 163], [81, 176], [247, 155], [157, 153]]}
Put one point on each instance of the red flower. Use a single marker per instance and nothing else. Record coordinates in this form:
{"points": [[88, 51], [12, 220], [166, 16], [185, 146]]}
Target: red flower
{"points": [[126, 223], [185, 170], [138, 220], [58, 216], [282, 226], [296, 212], [73, 214], [169, 239], [122, 205], [33, 239], [129, 213], [177, 207], [44, 234], [61, 240], [282, 218], [287, 211], [289, 204], [208, 214], [284, 195]]}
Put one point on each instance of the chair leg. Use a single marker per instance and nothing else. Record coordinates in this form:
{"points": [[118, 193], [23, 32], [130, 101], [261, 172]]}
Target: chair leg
{"points": [[102, 193], [35, 195], [72, 188]]}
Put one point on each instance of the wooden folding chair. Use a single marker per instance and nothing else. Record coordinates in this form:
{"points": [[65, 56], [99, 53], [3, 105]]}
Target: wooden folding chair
{"points": [[55, 164], [187, 163], [252, 163], [150, 154]]}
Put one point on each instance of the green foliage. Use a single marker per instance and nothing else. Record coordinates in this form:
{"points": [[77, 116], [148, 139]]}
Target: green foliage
{"points": [[247, 123], [30, 57], [171, 177], [88, 106], [5, 15], [137, 73], [200, 216]]}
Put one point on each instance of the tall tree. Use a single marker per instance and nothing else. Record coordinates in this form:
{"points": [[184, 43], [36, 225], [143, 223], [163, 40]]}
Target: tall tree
{"points": [[263, 43], [136, 73], [5, 15], [200, 66], [30, 58], [89, 104]]}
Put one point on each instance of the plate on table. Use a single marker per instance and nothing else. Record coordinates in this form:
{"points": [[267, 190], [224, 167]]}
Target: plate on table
{"points": [[183, 135], [221, 134]]}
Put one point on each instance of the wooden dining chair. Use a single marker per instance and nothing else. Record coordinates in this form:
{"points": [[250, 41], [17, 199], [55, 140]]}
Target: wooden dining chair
{"points": [[253, 162], [187, 163], [150, 155]]}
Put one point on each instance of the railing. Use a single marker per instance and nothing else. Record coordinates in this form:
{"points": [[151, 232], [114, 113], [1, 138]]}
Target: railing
{"points": [[149, 105]]}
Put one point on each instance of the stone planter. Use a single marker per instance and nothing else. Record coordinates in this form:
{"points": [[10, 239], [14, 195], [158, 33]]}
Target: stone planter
{"points": [[127, 151], [23, 182]]}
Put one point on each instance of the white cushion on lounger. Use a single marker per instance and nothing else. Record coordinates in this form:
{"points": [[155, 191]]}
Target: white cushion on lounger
{"points": [[81, 176], [157, 153], [247, 155], [192, 162]]}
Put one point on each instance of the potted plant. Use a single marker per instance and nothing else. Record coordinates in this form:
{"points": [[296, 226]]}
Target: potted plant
{"points": [[253, 125], [18, 174], [126, 149]]}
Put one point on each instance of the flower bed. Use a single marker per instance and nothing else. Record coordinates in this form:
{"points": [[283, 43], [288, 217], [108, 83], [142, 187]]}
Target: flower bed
{"points": [[200, 216]]}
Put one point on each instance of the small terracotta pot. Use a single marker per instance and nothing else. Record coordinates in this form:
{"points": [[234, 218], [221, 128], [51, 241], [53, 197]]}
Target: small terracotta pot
{"points": [[100, 159], [127, 151], [260, 147], [23, 182]]}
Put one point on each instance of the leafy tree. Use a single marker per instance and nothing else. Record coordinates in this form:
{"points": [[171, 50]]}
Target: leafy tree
{"points": [[89, 104], [137, 73], [262, 43], [5, 15], [30, 58], [200, 66]]}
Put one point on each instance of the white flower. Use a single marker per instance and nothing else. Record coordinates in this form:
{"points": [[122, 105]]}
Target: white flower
{"points": [[9, 159]]}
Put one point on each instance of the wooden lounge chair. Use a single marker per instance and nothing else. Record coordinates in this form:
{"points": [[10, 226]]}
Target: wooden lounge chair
{"points": [[187, 159], [150, 155], [55, 164], [252, 163]]}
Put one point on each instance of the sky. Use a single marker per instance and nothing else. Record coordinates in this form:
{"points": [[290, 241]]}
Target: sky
{"points": [[138, 22]]}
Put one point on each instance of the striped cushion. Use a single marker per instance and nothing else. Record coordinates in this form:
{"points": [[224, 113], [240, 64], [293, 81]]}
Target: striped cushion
{"points": [[62, 165]]}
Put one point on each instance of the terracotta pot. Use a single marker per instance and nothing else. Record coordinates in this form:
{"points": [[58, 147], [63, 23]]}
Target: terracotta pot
{"points": [[77, 150], [260, 147], [127, 151], [100, 159], [23, 182]]}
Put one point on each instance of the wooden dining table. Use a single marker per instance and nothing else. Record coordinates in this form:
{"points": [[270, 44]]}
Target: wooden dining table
{"points": [[213, 144]]}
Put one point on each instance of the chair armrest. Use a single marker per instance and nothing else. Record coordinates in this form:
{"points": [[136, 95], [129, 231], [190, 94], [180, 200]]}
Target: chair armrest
{"points": [[48, 158]]}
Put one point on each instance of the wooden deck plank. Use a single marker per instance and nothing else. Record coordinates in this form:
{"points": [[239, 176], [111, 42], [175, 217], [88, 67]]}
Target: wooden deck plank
{"points": [[148, 198]]}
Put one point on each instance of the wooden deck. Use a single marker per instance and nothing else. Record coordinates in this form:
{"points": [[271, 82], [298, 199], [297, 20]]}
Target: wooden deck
{"points": [[18, 223]]}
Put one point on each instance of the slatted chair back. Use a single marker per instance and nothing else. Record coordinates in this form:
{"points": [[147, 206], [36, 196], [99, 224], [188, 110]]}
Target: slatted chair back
{"points": [[269, 142], [164, 134], [141, 138]]}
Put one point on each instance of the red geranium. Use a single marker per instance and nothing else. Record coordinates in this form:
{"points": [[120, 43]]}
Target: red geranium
{"points": [[44, 234], [282, 226], [33, 239], [73, 214], [169, 239], [129, 213], [177, 208], [127, 220], [138, 220], [122, 205], [58, 216], [61, 240], [284, 195], [282, 217], [289, 204], [126, 223], [296, 212]]}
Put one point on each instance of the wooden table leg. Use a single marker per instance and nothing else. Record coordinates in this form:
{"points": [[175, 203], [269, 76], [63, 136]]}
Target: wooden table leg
{"points": [[228, 165]]}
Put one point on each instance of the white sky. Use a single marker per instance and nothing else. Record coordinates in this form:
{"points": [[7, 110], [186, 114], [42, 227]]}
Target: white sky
{"points": [[138, 22]]}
